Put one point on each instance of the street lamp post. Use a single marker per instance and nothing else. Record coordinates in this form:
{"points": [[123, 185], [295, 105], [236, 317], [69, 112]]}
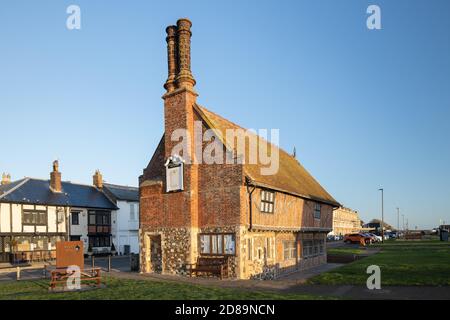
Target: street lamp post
{"points": [[382, 213], [398, 219]]}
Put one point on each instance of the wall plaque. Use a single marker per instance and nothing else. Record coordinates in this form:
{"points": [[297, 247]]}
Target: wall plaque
{"points": [[174, 173]]}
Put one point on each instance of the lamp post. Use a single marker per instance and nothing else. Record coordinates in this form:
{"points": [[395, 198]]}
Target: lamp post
{"points": [[382, 214], [398, 220]]}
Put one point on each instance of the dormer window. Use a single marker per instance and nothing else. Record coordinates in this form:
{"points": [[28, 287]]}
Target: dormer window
{"points": [[267, 201], [174, 173]]}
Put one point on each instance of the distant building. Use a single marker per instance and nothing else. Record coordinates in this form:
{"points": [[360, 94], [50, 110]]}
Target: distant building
{"points": [[345, 221], [36, 213], [375, 224]]}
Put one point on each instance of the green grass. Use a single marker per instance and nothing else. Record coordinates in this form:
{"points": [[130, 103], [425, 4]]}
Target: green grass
{"points": [[123, 289], [401, 263], [345, 251]]}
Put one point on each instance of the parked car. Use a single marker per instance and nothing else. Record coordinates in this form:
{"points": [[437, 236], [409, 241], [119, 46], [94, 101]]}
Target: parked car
{"points": [[358, 238], [375, 237], [371, 237]]}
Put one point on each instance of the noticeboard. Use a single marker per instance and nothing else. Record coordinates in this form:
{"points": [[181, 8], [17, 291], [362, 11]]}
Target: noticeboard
{"points": [[69, 253]]}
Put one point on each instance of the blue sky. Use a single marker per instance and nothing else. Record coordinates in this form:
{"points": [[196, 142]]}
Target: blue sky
{"points": [[364, 108]]}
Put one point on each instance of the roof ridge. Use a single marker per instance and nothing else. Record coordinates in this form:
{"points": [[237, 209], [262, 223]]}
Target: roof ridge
{"points": [[20, 184], [119, 185], [63, 181]]}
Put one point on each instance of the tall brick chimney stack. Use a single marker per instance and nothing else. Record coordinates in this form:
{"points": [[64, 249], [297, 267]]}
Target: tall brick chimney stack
{"points": [[98, 179], [55, 178], [184, 77], [171, 57], [6, 179], [179, 101]]}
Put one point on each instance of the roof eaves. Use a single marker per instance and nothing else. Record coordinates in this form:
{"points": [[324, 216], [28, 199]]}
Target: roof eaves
{"points": [[264, 185]]}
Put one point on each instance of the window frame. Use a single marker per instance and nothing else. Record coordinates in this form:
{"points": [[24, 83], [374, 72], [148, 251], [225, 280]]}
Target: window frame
{"points": [[36, 216], [317, 210], [75, 214], [289, 247], [267, 202], [211, 235]]}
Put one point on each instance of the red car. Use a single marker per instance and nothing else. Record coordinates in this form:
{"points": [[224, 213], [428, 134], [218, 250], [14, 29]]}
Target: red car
{"points": [[361, 238]]}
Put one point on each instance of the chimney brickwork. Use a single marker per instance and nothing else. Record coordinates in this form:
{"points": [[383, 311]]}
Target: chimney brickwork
{"points": [[55, 178], [97, 179], [6, 179], [171, 58]]}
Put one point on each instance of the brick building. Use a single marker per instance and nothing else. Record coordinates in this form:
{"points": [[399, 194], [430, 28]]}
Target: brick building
{"points": [[266, 224], [345, 221]]}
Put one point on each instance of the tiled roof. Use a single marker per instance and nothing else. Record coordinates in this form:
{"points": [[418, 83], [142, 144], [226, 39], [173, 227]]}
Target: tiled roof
{"points": [[291, 176], [122, 192], [36, 191]]}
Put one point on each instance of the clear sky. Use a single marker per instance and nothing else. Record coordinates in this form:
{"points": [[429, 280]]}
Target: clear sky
{"points": [[364, 108]]}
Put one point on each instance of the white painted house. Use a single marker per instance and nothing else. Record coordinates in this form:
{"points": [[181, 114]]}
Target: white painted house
{"points": [[125, 221]]}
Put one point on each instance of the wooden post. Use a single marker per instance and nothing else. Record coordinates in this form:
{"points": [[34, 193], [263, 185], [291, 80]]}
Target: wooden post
{"points": [[109, 263], [18, 273]]}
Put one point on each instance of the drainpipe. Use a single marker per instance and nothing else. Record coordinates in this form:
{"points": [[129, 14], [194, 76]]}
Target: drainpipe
{"points": [[250, 189]]}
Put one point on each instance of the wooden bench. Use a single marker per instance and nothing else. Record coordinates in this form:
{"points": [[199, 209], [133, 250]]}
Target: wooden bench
{"points": [[210, 266], [60, 276]]}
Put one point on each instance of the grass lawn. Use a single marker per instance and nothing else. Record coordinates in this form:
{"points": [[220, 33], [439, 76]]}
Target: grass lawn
{"points": [[401, 263], [123, 289], [345, 251]]}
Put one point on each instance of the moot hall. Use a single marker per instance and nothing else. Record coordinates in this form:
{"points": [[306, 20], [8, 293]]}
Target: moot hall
{"points": [[265, 225]]}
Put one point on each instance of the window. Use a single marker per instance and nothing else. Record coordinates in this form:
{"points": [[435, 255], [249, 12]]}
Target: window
{"points": [[321, 246], [132, 212], [92, 217], [99, 222], [249, 245], [267, 201], [217, 244], [34, 217], [307, 248], [312, 248], [289, 250], [99, 241], [317, 209], [75, 218]]}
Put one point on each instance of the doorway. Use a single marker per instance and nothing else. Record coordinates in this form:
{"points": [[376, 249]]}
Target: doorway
{"points": [[154, 253]]}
